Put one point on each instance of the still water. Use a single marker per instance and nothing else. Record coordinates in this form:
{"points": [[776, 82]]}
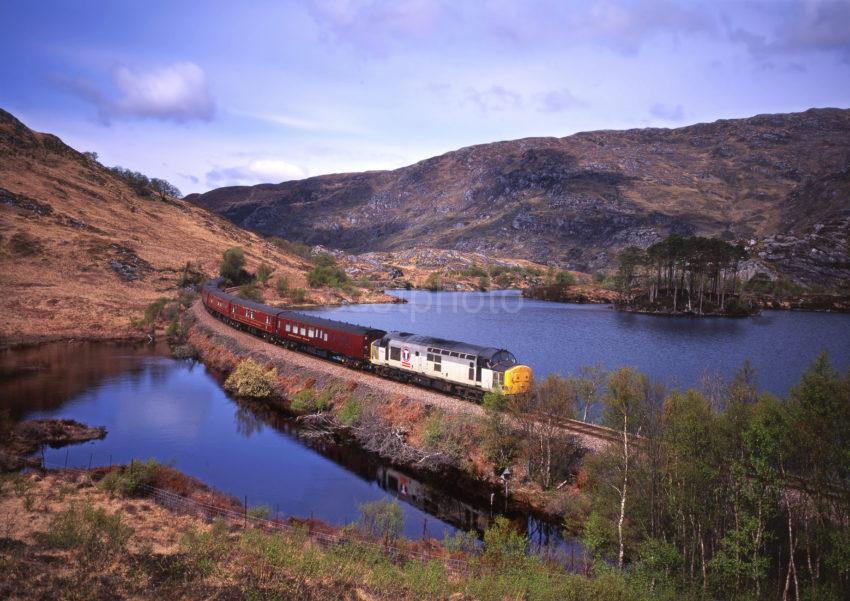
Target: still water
{"points": [[557, 337], [177, 412]]}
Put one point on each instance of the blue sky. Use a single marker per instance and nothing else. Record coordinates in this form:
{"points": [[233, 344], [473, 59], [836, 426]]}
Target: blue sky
{"points": [[218, 93]]}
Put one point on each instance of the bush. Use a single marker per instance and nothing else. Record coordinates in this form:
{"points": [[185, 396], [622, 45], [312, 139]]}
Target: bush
{"points": [[250, 379], [502, 543], [494, 401], [232, 266], [350, 412], [204, 549], [382, 518], [94, 533], [282, 285], [327, 275], [174, 330], [299, 295], [565, 278], [461, 542], [251, 291], [303, 400], [484, 283], [131, 480], [264, 272]]}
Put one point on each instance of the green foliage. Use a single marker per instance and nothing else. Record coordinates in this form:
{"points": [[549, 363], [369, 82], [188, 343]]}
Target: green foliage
{"points": [[382, 518], [303, 400], [299, 295], [502, 543], [461, 542], [326, 273], [499, 441], [251, 291], [232, 267], [596, 535], [132, 480], [93, 533], [252, 380], [351, 412], [446, 436], [174, 330], [264, 272], [205, 549], [282, 285], [565, 278], [494, 401], [484, 283], [152, 313]]}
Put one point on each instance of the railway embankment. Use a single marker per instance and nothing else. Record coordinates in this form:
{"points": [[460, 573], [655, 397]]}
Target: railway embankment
{"points": [[437, 437]]}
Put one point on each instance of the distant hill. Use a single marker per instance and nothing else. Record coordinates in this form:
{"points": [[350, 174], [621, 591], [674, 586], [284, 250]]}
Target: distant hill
{"points": [[81, 253], [782, 181]]}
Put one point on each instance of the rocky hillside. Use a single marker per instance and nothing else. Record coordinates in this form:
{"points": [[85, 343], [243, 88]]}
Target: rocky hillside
{"points": [[780, 183], [81, 253]]}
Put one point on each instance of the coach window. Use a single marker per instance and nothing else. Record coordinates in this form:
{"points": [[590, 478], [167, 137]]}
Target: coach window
{"points": [[310, 332], [288, 328], [325, 336], [303, 331], [395, 353]]}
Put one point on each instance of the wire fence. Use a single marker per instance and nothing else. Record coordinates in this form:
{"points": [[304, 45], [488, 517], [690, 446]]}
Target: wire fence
{"points": [[242, 518]]}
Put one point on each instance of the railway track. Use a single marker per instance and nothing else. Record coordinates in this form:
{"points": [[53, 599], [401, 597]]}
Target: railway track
{"points": [[588, 432]]}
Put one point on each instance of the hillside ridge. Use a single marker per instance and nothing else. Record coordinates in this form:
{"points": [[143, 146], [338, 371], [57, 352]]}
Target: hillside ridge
{"points": [[778, 182]]}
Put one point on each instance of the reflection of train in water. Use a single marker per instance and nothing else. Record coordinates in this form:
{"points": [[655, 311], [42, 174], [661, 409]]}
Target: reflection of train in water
{"points": [[455, 512], [458, 368]]}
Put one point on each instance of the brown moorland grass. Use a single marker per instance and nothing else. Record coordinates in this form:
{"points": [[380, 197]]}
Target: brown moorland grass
{"points": [[81, 254]]}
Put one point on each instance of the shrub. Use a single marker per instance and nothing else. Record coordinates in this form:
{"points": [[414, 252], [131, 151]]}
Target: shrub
{"points": [[204, 549], [327, 275], [304, 400], [350, 412], [382, 518], [461, 542], [494, 401], [282, 285], [502, 543], [565, 278], [94, 533], [173, 330], [131, 480], [484, 283], [299, 295], [251, 291], [232, 266], [264, 272], [250, 379], [324, 401]]}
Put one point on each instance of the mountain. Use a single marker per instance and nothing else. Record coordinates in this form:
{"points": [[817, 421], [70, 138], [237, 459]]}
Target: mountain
{"points": [[81, 253], [779, 183]]}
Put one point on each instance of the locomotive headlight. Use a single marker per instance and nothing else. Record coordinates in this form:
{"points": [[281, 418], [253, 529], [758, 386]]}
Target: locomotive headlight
{"points": [[517, 379]]}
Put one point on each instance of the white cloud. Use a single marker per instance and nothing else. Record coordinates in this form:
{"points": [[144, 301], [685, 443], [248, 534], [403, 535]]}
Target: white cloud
{"points": [[176, 92], [256, 172]]}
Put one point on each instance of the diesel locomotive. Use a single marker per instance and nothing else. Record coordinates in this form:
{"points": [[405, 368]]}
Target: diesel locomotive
{"points": [[457, 368]]}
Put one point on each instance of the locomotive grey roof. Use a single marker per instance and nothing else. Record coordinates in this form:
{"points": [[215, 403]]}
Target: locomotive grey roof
{"points": [[305, 318], [441, 343]]}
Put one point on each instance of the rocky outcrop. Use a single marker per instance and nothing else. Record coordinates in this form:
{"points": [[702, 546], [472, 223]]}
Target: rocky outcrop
{"points": [[577, 201]]}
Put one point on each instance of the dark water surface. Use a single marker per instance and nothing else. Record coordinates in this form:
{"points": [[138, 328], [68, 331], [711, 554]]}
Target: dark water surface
{"points": [[557, 337], [176, 411]]}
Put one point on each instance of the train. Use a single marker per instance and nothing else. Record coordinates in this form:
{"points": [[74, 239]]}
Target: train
{"points": [[457, 368]]}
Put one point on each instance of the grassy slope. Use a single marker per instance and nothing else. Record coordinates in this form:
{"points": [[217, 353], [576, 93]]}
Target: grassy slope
{"points": [[69, 223]]}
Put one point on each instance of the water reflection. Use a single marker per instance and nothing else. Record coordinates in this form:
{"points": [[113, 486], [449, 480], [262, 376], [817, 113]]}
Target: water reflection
{"points": [[177, 412]]}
